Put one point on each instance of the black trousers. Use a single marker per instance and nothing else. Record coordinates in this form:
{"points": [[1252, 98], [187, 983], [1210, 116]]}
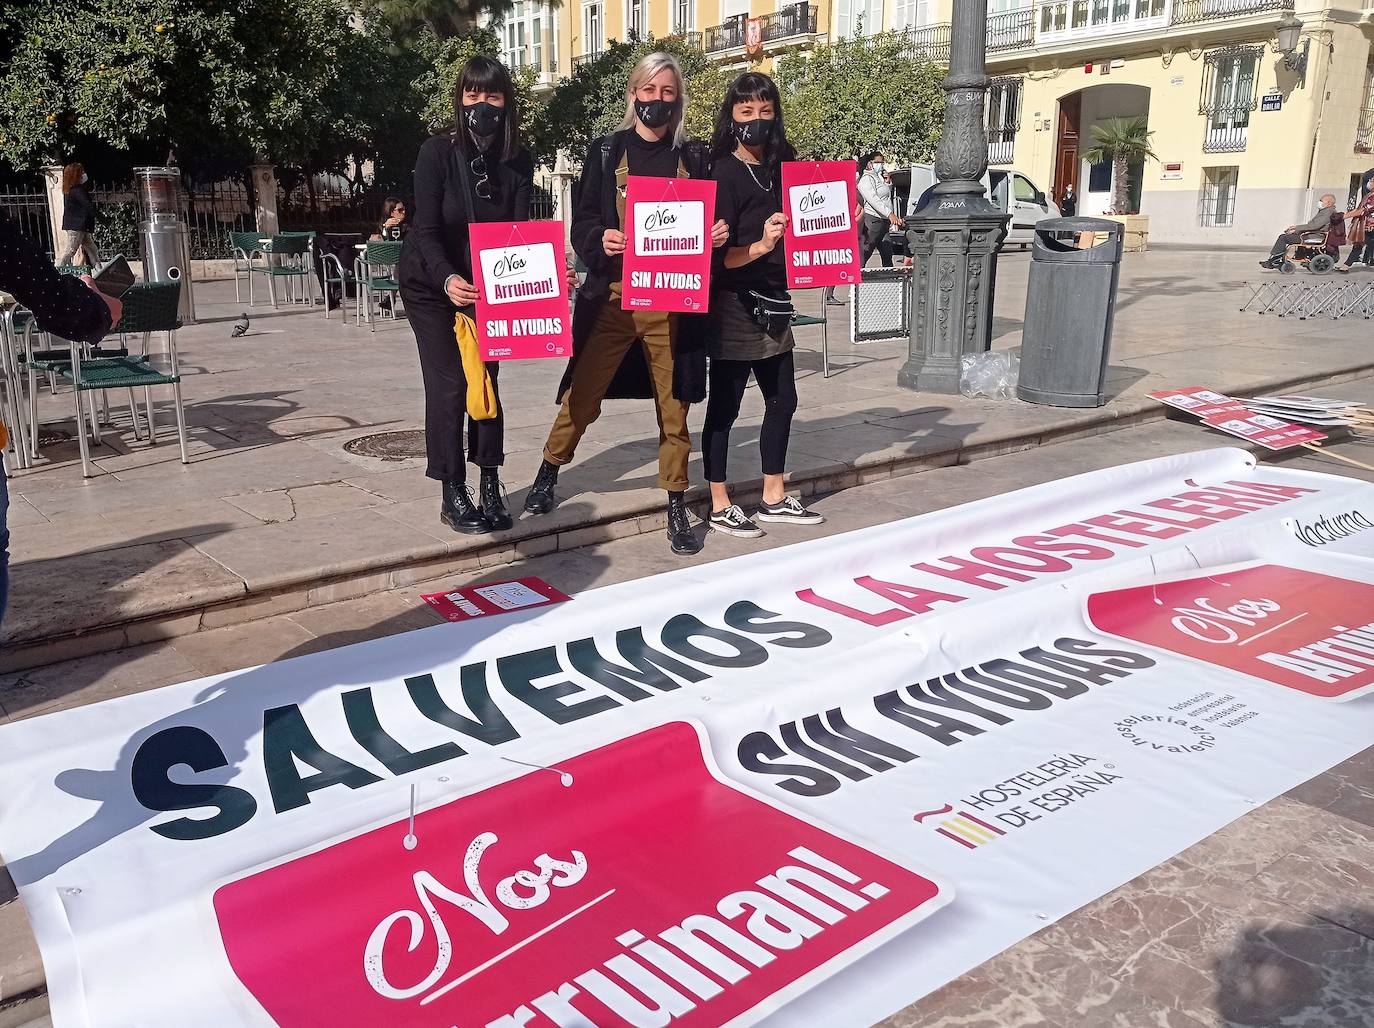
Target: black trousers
{"points": [[446, 390], [1283, 242], [875, 238], [777, 381], [1363, 252]]}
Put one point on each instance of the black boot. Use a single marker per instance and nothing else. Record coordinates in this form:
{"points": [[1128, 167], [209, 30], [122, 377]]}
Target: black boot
{"points": [[681, 537], [493, 502], [459, 512], [540, 499]]}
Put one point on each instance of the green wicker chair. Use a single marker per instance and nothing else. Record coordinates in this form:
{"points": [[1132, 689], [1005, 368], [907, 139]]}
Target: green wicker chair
{"points": [[242, 246], [293, 252], [148, 307], [375, 270]]}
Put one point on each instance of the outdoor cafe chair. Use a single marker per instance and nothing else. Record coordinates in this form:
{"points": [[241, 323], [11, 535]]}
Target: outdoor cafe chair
{"points": [[148, 307], [335, 270], [242, 247], [293, 263], [375, 270]]}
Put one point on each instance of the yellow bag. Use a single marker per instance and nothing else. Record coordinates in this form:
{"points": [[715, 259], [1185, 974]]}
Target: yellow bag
{"points": [[481, 395]]}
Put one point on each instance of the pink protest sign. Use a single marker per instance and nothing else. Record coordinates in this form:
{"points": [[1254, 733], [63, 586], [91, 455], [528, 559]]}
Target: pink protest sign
{"points": [[668, 245], [822, 238], [1271, 433], [522, 290], [479, 601], [1204, 403]]}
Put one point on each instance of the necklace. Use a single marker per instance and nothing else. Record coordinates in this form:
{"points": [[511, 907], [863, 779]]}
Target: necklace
{"points": [[749, 166]]}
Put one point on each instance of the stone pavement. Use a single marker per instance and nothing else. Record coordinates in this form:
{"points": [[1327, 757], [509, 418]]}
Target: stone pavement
{"points": [[274, 514], [1268, 922]]}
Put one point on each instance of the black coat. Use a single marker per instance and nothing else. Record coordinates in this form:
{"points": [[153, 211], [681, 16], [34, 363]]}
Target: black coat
{"points": [[595, 212], [437, 244], [78, 212]]}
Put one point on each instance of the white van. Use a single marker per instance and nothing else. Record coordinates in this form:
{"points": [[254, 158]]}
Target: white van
{"points": [[1011, 190]]}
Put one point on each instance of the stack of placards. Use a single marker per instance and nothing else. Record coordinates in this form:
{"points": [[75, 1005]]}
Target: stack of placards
{"points": [[1232, 416], [1312, 410]]}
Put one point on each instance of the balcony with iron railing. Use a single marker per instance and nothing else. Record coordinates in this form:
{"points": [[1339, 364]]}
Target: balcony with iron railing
{"points": [[787, 24], [1056, 23], [584, 59]]}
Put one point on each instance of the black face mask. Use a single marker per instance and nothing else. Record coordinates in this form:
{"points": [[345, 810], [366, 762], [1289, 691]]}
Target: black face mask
{"points": [[483, 119], [754, 133], [655, 113]]}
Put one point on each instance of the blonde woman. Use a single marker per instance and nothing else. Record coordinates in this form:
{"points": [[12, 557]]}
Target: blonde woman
{"points": [[78, 217], [638, 354]]}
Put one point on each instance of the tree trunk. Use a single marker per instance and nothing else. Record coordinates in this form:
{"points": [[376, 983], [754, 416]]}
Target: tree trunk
{"points": [[1120, 184]]}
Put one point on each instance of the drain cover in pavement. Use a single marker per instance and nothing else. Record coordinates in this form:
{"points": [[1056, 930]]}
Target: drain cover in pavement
{"points": [[53, 436], [389, 445]]}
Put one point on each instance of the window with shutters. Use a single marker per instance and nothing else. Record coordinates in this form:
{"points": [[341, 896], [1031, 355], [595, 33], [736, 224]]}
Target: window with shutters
{"points": [[684, 15], [593, 29], [1364, 129], [634, 20], [1230, 94]]}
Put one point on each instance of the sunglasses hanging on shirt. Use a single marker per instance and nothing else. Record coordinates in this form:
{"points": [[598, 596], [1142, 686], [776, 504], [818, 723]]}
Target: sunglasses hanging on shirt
{"points": [[482, 183]]}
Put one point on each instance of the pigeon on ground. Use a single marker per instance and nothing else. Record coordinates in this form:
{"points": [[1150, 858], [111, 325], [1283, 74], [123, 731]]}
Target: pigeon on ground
{"points": [[240, 327]]}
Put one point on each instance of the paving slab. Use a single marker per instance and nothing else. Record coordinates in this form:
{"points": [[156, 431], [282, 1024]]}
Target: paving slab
{"points": [[270, 414]]}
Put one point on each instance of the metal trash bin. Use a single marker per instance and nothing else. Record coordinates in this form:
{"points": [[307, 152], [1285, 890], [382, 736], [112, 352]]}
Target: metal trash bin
{"points": [[1070, 305]]}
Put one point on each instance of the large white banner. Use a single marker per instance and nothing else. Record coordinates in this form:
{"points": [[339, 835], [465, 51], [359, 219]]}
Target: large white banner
{"points": [[803, 787]]}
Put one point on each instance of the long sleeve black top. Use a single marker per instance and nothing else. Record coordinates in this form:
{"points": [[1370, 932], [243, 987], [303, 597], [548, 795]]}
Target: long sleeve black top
{"points": [[78, 210], [437, 244], [63, 305]]}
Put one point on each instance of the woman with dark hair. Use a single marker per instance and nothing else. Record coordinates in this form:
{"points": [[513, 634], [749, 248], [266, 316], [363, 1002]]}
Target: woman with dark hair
{"points": [[78, 217], [751, 310], [476, 172], [394, 224], [637, 354]]}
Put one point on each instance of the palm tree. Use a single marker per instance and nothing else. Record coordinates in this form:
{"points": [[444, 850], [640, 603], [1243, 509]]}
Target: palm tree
{"points": [[1123, 141]]}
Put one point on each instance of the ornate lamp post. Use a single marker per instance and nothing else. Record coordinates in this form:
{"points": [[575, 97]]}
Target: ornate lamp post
{"points": [[954, 238]]}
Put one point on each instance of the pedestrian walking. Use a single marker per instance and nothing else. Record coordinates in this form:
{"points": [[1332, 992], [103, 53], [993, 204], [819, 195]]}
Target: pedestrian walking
{"points": [[476, 172], [78, 217], [65, 306], [751, 309], [638, 354], [1359, 222], [878, 214]]}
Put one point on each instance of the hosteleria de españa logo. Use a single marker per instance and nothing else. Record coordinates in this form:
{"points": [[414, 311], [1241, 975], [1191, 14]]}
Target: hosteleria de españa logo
{"points": [[647, 890]]}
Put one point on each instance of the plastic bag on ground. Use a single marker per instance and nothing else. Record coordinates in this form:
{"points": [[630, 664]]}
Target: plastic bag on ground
{"points": [[992, 374]]}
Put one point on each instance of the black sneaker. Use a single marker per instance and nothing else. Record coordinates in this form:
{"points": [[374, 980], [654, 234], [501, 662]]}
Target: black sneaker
{"points": [[788, 511], [733, 521]]}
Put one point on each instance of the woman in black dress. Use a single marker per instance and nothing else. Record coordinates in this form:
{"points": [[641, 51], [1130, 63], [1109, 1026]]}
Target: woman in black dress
{"points": [[747, 152], [476, 172]]}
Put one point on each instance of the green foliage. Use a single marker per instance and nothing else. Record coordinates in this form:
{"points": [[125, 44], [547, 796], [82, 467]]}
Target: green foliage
{"points": [[221, 81], [1124, 142], [442, 18], [117, 230], [857, 95], [443, 59], [591, 101]]}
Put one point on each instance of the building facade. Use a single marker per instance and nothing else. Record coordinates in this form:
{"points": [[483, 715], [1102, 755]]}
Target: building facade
{"points": [[1248, 136], [555, 40]]}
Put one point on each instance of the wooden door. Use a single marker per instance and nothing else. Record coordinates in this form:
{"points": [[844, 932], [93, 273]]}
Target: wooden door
{"points": [[1066, 161]]}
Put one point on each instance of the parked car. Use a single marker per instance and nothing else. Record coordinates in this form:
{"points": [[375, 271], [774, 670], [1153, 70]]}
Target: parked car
{"points": [[1011, 190]]}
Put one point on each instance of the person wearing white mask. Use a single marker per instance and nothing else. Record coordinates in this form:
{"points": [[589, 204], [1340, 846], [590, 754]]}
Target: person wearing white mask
{"points": [[78, 217], [879, 214]]}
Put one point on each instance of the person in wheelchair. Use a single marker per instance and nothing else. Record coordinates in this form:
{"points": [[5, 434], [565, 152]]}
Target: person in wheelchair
{"points": [[1324, 221]]}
